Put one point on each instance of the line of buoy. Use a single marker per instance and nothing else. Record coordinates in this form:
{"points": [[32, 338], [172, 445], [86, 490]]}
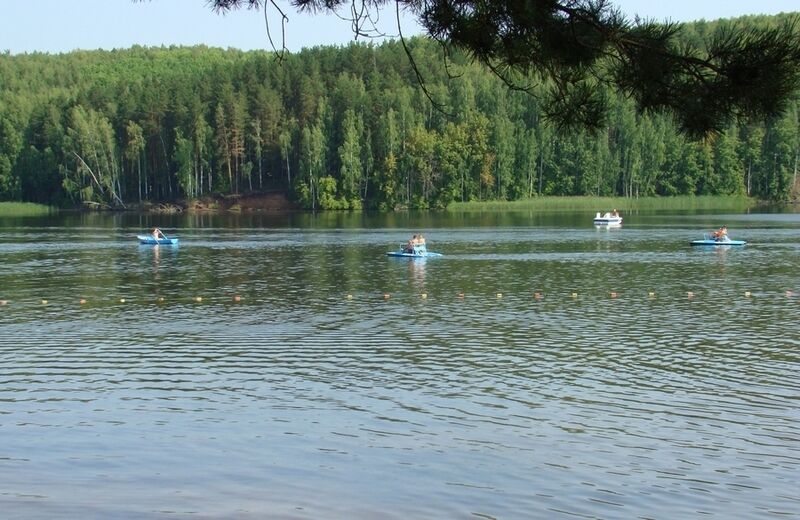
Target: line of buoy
{"points": [[537, 295], [160, 299]]}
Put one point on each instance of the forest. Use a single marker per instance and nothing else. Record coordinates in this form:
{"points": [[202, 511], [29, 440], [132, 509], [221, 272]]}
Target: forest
{"points": [[346, 127]]}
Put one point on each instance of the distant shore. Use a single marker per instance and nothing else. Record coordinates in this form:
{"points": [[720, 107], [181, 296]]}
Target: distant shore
{"points": [[623, 204], [277, 201], [268, 201]]}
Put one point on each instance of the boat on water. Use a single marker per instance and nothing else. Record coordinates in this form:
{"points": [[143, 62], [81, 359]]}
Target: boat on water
{"points": [[150, 240], [416, 251], [607, 219], [710, 240]]}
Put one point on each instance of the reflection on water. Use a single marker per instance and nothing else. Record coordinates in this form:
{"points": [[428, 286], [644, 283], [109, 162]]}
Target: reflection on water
{"points": [[416, 272], [154, 255], [297, 402]]}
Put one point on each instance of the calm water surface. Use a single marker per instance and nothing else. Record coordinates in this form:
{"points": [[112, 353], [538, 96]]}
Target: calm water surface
{"points": [[347, 384]]}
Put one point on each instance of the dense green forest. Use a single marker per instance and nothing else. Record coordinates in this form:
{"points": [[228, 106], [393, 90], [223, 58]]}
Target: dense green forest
{"points": [[344, 128]]}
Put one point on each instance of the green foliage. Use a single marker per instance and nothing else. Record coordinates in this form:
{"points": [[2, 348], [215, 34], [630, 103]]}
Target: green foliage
{"points": [[10, 143], [581, 48], [327, 194], [344, 128], [93, 171], [23, 209], [351, 171], [182, 157]]}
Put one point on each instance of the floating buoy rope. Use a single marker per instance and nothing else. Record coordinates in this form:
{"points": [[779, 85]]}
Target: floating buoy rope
{"points": [[537, 295]]}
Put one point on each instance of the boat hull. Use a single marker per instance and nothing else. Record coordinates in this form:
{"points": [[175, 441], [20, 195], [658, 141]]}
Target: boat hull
{"points": [[415, 251], [717, 243], [148, 240], [608, 221], [401, 254]]}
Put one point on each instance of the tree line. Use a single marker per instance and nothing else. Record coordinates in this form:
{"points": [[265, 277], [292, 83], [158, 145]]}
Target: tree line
{"points": [[345, 127]]}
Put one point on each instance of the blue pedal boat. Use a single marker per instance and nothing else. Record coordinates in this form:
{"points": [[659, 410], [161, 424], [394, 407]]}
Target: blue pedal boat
{"points": [[708, 240], [149, 240], [418, 251]]}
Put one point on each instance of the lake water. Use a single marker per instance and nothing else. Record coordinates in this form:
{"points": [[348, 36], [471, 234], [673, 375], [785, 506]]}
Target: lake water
{"points": [[503, 380]]}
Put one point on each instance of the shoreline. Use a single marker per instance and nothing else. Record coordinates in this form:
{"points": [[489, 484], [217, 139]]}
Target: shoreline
{"points": [[277, 201]]}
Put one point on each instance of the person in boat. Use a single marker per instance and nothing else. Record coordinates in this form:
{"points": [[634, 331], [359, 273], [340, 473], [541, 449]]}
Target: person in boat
{"points": [[615, 214], [409, 247], [720, 234], [158, 234], [415, 241]]}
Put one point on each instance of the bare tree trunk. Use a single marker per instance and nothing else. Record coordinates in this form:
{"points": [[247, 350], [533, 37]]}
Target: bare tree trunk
{"points": [[100, 186], [541, 172], [749, 168], [166, 163]]}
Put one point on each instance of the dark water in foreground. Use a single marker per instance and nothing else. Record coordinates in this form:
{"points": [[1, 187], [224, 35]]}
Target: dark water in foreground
{"points": [[442, 400]]}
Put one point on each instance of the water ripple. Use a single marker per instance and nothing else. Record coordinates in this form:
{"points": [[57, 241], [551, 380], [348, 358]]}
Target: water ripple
{"points": [[579, 374]]}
